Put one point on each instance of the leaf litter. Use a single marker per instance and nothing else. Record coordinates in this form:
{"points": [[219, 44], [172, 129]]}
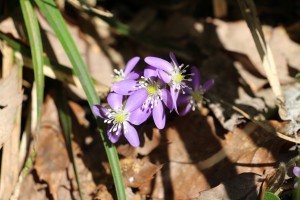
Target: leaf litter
{"points": [[214, 153]]}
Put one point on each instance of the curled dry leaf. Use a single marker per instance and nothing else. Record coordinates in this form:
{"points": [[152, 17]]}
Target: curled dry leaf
{"points": [[290, 109], [10, 99], [52, 158]]}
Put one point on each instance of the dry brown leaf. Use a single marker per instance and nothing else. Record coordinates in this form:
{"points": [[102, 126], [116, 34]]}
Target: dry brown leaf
{"points": [[102, 193], [8, 26], [91, 167], [31, 190], [150, 140], [234, 35], [10, 99], [52, 158], [99, 64], [245, 186], [137, 172], [196, 158]]}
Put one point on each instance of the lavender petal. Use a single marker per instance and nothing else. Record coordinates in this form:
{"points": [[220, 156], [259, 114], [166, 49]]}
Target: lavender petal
{"points": [[159, 63], [196, 78], [164, 76], [174, 60], [131, 64], [174, 95], [159, 115], [125, 87], [296, 171], [131, 135], [114, 136], [100, 111], [136, 100], [183, 104], [185, 110], [208, 84], [115, 100], [139, 115], [167, 99], [150, 72], [132, 76]]}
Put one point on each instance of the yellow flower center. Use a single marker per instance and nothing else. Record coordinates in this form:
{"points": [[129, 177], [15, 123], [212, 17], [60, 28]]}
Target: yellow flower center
{"points": [[118, 78], [152, 89], [177, 78], [120, 117], [197, 96]]}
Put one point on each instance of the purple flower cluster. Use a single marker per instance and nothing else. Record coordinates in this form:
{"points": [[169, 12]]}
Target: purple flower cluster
{"points": [[137, 95]]}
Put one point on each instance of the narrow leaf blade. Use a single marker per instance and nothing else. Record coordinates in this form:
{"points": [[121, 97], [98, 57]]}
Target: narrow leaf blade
{"points": [[35, 41]]}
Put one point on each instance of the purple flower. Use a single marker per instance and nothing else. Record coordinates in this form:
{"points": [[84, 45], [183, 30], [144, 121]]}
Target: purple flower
{"points": [[152, 102], [296, 171], [171, 73], [119, 118], [194, 95], [128, 74]]}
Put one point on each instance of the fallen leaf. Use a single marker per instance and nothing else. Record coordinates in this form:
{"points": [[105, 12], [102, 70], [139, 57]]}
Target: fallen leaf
{"points": [[198, 156], [245, 186], [52, 158], [234, 34], [31, 189], [290, 109], [102, 193], [150, 139], [10, 99], [137, 172]]}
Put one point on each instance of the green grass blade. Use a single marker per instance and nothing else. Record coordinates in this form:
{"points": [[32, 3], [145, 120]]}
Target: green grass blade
{"points": [[55, 19], [66, 122], [36, 47]]}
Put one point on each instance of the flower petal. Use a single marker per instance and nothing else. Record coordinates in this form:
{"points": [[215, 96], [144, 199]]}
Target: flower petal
{"points": [[136, 100], [139, 115], [131, 64], [296, 171], [183, 104], [114, 100], [164, 76], [196, 78], [132, 76], [125, 87], [174, 60], [208, 84], [167, 98], [184, 108], [131, 135], [159, 115], [100, 111], [150, 72], [114, 136], [174, 95], [159, 63], [183, 99]]}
